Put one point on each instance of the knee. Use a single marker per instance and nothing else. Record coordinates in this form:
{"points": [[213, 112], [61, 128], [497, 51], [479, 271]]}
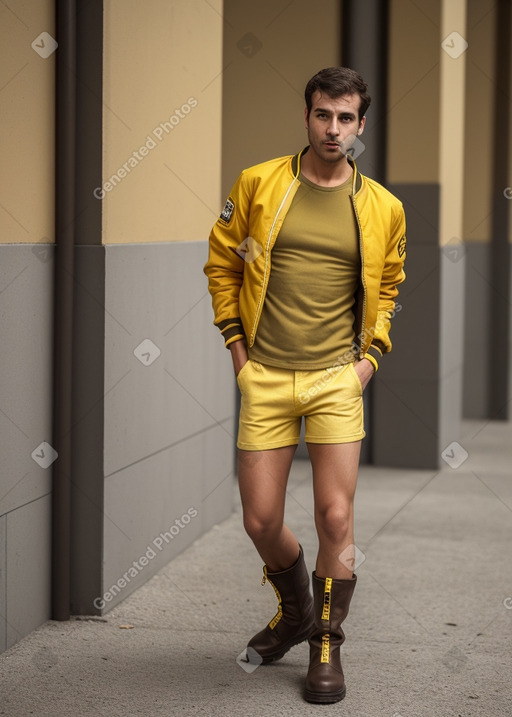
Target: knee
{"points": [[333, 522], [262, 528]]}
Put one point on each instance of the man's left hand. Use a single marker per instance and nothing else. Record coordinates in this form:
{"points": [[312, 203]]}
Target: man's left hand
{"points": [[365, 370]]}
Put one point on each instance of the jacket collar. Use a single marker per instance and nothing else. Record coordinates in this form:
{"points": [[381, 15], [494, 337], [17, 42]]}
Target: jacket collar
{"points": [[356, 184]]}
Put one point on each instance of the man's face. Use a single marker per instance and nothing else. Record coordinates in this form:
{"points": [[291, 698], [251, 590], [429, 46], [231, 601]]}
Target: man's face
{"points": [[333, 124]]}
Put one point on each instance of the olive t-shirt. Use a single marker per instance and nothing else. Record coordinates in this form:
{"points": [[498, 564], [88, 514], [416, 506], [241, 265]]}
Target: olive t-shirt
{"points": [[307, 321]]}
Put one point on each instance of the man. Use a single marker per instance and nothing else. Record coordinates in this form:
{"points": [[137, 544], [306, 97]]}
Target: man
{"points": [[303, 270]]}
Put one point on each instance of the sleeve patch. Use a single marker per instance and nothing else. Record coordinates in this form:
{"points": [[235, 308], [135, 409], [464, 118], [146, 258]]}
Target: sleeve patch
{"points": [[228, 210], [401, 247]]}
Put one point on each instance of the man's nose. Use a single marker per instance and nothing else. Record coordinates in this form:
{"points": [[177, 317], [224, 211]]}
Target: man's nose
{"points": [[333, 127]]}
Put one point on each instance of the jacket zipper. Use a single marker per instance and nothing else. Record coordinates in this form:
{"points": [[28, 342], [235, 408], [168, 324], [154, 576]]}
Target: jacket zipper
{"points": [[363, 317], [265, 270]]}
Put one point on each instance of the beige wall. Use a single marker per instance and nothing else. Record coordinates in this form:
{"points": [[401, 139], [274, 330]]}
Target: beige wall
{"points": [[271, 49], [479, 140], [161, 57], [160, 53], [414, 76], [418, 110], [452, 125], [27, 91]]}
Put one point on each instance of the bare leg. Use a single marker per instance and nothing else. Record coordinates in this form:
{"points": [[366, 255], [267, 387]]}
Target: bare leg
{"points": [[335, 469], [262, 478]]}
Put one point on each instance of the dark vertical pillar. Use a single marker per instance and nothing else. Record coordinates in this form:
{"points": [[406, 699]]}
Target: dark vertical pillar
{"points": [[87, 496], [77, 521], [499, 347], [364, 49], [65, 133]]}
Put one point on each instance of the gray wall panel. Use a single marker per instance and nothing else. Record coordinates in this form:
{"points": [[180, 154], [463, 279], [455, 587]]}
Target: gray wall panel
{"points": [[510, 332], [158, 292], [28, 540], [26, 327], [26, 359], [217, 469], [421, 204], [406, 424], [152, 439], [477, 330], [404, 427], [414, 328], [418, 396], [3, 584], [417, 403], [196, 475], [451, 347]]}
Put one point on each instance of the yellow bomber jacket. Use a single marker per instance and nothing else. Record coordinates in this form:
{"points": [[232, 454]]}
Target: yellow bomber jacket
{"points": [[240, 252]]}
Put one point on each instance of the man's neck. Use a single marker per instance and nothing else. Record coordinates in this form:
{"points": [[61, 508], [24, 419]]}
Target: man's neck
{"points": [[323, 173]]}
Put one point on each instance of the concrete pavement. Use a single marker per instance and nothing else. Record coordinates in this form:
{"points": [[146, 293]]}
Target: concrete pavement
{"points": [[429, 632]]}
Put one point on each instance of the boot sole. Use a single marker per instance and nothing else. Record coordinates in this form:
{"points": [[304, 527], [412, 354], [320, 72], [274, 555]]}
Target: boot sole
{"points": [[277, 656], [325, 697]]}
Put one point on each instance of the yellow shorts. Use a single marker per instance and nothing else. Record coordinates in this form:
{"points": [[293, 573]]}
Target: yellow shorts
{"points": [[275, 399]]}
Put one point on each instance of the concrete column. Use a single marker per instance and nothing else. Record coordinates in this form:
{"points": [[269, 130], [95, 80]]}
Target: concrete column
{"points": [[451, 178], [499, 354], [364, 48], [418, 391], [481, 83]]}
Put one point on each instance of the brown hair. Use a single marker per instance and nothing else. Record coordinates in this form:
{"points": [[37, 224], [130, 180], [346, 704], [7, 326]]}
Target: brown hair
{"points": [[336, 82]]}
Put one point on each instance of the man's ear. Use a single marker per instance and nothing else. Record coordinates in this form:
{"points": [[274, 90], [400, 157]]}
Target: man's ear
{"points": [[361, 125], [306, 121]]}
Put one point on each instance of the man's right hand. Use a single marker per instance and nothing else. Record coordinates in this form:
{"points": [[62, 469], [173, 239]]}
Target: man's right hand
{"points": [[238, 354]]}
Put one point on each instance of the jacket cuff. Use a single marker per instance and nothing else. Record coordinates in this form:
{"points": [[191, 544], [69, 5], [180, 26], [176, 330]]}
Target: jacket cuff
{"points": [[373, 355], [232, 340], [231, 330]]}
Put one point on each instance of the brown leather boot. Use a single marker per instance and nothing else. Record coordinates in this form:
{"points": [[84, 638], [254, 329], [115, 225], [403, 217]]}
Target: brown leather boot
{"points": [[325, 681], [294, 619]]}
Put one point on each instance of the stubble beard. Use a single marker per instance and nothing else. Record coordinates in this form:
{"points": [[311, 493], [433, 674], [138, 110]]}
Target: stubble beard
{"points": [[328, 156]]}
